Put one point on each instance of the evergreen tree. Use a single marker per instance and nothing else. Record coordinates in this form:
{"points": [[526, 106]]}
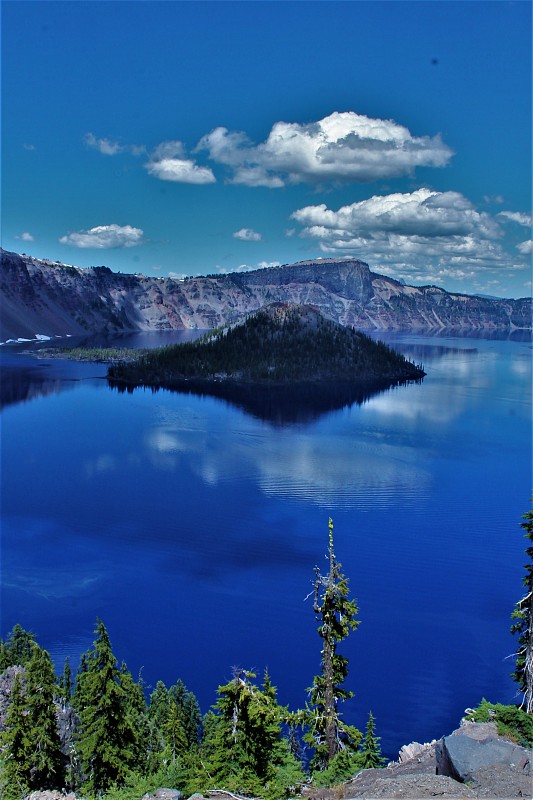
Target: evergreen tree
{"points": [[106, 739], [65, 682], [371, 747], [175, 737], [523, 624], [157, 715], [336, 614], [16, 747], [189, 711], [46, 763], [5, 661], [19, 646], [244, 741], [135, 708]]}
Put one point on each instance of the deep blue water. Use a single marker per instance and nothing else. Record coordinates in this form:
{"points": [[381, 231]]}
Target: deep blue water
{"points": [[192, 529]]}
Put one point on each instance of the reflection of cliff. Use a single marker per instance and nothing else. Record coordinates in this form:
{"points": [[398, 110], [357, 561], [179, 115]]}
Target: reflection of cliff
{"points": [[20, 385], [44, 297]]}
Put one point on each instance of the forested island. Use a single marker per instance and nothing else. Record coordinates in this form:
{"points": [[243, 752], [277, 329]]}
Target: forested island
{"points": [[282, 344]]}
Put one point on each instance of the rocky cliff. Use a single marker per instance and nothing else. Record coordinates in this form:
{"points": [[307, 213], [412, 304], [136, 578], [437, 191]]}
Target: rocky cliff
{"points": [[44, 297]]}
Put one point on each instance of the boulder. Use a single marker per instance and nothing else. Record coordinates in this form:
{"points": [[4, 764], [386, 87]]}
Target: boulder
{"points": [[50, 795], [164, 794], [476, 746]]}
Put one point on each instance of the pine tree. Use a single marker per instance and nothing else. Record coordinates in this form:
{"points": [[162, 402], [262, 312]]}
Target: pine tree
{"points": [[106, 740], [189, 711], [5, 660], [175, 737], [65, 682], [244, 741], [19, 646], [47, 769], [336, 614], [523, 624], [371, 747], [135, 708], [16, 746]]}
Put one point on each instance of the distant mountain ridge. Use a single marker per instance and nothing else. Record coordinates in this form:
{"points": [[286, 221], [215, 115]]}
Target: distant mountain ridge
{"points": [[42, 297]]}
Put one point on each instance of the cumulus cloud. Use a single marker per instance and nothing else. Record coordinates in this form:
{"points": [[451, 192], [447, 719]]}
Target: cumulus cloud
{"points": [[105, 237], [344, 146], [168, 162], [517, 216], [26, 237], [424, 235], [247, 235], [526, 248]]}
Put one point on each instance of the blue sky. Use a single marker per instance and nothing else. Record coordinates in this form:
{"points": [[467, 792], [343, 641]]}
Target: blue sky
{"points": [[183, 138]]}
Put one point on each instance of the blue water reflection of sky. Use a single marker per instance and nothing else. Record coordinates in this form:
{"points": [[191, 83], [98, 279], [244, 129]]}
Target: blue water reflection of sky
{"points": [[193, 529]]}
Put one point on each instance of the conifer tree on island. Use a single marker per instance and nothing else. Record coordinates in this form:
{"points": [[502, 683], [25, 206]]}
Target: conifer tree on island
{"points": [[336, 614], [523, 624]]}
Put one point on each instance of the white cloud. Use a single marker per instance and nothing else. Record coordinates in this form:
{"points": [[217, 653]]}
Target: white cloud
{"points": [[247, 235], [110, 148], [168, 163], [247, 267], [180, 171], [526, 248], [105, 236], [26, 237], [423, 235], [517, 216], [267, 264], [344, 146]]}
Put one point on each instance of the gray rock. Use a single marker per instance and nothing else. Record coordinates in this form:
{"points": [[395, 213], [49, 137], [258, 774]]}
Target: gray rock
{"points": [[476, 746], [56, 299], [164, 794], [410, 787], [50, 795]]}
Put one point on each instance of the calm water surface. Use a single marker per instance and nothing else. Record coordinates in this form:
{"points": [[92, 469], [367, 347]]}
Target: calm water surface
{"points": [[192, 529]]}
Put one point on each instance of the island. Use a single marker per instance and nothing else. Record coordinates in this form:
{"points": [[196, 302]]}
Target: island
{"points": [[282, 344]]}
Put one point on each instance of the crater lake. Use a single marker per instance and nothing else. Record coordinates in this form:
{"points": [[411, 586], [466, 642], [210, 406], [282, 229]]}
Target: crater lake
{"points": [[191, 525]]}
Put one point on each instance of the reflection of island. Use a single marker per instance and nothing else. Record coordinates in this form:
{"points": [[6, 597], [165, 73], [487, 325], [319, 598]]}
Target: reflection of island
{"points": [[284, 363]]}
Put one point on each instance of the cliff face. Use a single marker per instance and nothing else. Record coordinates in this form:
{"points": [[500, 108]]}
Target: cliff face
{"points": [[43, 297]]}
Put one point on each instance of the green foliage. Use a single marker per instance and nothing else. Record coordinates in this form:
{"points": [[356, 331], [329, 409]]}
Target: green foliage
{"points": [[107, 742], [46, 761], [174, 722], [336, 614], [512, 721], [106, 355], [372, 757], [30, 744], [343, 766], [522, 626], [18, 647], [243, 748], [16, 747], [64, 683]]}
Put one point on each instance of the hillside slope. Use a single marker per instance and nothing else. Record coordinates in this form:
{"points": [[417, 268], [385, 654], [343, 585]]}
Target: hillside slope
{"points": [[43, 297]]}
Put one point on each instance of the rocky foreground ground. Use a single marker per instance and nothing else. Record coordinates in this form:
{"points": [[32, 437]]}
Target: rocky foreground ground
{"points": [[473, 762]]}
